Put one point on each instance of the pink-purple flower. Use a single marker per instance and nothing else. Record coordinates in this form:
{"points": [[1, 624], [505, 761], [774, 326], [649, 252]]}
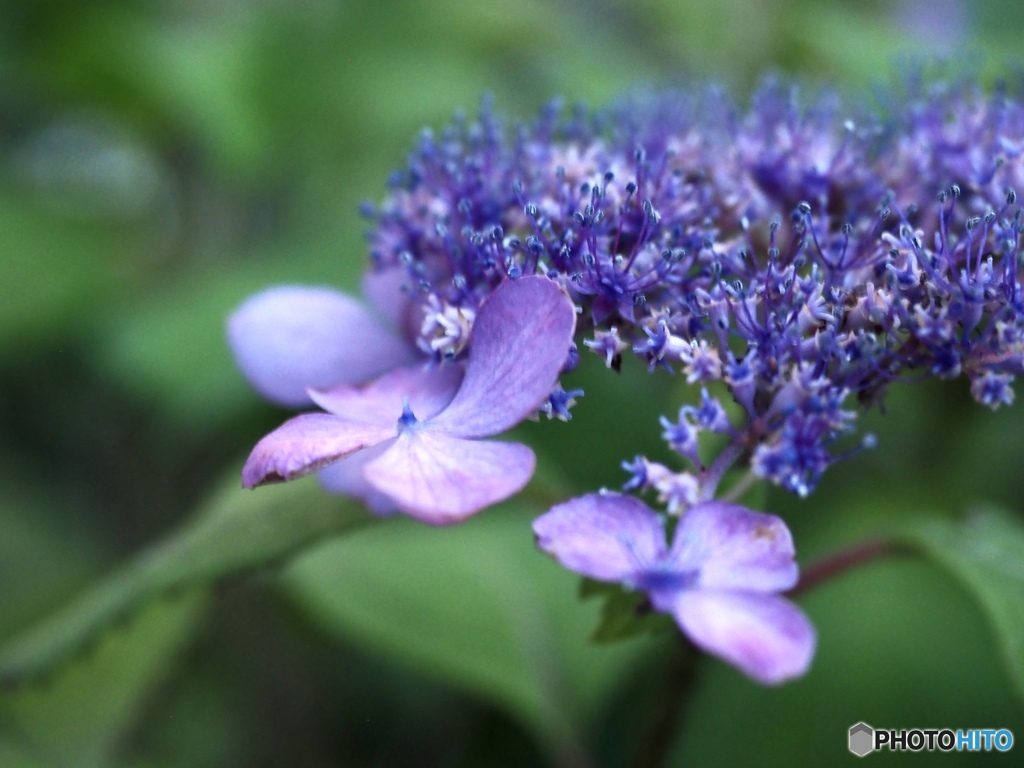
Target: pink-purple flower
{"points": [[422, 429], [720, 577]]}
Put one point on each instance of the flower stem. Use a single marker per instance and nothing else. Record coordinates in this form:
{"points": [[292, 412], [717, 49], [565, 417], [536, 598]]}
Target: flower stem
{"points": [[712, 476], [740, 487], [677, 682], [654, 749], [843, 560]]}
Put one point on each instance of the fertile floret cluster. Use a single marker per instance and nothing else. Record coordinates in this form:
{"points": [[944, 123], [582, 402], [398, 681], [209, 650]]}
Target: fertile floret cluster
{"points": [[803, 252]]}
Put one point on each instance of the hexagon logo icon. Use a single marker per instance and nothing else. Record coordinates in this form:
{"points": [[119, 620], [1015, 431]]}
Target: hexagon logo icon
{"points": [[862, 739]]}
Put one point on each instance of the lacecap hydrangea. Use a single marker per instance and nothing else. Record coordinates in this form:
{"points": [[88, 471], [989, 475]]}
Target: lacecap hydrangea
{"points": [[799, 253]]}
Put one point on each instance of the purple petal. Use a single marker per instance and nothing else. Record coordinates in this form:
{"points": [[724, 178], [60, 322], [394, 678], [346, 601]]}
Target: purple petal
{"points": [[307, 443], [291, 337], [345, 477], [519, 343], [765, 636], [440, 479], [733, 547], [605, 536], [382, 400]]}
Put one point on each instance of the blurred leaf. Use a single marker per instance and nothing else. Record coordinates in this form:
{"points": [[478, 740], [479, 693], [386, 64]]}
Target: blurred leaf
{"points": [[14, 757], [900, 645], [477, 606], [43, 556], [986, 553], [53, 271], [170, 344], [882, 41], [78, 717], [609, 423], [238, 531], [183, 71]]}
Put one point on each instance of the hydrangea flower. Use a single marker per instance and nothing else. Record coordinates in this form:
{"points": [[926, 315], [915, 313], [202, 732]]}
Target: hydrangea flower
{"points": [[432, 464], [719, 578], [799, 254]]}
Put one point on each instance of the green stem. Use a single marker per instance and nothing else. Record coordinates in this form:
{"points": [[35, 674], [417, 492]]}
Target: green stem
{"points": [[677, 683], [740, 487], [712, 476]]}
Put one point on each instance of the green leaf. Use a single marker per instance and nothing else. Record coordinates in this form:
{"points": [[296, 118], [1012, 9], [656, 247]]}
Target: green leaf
{"points": [[477, 606], [899, 645], [18, 757], [45, 554], [986, 553], [55, 270], [238, 531], [624, 613], [79, 717]]}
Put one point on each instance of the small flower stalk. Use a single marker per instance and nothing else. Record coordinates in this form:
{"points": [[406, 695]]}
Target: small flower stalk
{"points": [[789, 261]]}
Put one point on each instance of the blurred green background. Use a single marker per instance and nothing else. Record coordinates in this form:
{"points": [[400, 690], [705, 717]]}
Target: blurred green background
{"points": [[159, 161]]}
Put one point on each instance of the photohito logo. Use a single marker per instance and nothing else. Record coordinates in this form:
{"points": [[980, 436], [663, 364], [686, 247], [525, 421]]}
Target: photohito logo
{"points": [[864, 739]]}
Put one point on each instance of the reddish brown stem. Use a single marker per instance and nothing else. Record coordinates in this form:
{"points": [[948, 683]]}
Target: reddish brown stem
{"points": [[679, 677], [826, 568]]}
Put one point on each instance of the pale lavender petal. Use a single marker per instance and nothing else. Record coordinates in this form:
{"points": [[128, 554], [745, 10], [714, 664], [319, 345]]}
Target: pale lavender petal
{"points": [[427, 391], [289, 338], [765, 636], [345, 477], [606, 536], [732, 547], [388, 292], [307, 443], [440, 479], [519, 343]]}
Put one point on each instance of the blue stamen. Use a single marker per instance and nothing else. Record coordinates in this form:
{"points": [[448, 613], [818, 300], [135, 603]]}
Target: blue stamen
{"points": [[407, 420]]}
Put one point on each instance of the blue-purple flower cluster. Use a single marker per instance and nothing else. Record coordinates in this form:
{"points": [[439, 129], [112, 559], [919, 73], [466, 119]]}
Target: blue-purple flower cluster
{"points": [[797, 256], [804, 253]]}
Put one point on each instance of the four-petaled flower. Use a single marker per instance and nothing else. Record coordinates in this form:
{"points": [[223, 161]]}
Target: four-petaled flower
{"points": [[719, 578], [422, 428]]}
